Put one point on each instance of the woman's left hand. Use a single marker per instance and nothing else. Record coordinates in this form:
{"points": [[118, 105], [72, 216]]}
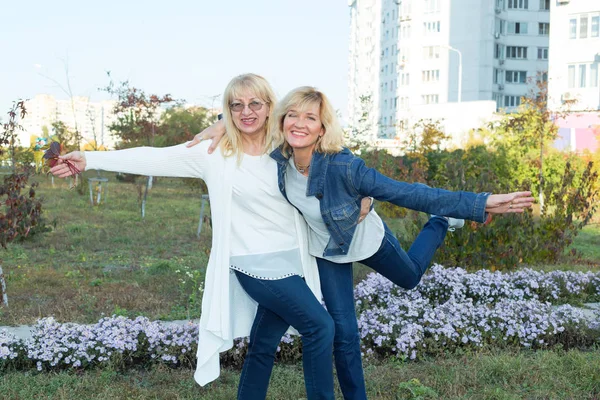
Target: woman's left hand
{"points": [[365, 208], [515, 202]]}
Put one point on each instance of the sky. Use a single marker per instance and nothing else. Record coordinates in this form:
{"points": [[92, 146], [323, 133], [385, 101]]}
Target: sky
{"points": [[189, 49]]}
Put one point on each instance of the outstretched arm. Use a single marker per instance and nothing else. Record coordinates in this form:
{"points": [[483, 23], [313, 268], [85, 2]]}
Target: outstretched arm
{"points": [[214, 132], [174, 161], [420, 197]]}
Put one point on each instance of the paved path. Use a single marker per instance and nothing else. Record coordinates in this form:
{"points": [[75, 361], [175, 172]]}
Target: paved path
{"points": [[24, 331]]}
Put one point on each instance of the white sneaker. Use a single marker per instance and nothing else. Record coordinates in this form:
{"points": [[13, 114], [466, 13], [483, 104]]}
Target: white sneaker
{"points": [[453, 223]]}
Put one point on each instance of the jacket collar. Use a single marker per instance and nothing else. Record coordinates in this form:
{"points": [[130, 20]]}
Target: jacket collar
{"points": [[318, 170]]}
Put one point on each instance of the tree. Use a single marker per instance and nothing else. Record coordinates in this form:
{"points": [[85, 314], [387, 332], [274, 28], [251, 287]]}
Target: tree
{"points": [[360, 137], [178, 124], [22, 212], [526, 133], [137, 114]]}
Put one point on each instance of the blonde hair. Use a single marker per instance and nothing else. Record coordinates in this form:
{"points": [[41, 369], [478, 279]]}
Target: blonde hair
{"points": [[245, 84], [300, 99]]}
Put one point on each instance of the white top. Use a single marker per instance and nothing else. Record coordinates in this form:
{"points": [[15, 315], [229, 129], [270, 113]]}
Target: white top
{"points": [[271, 250], [367, 236], [227, 311]]}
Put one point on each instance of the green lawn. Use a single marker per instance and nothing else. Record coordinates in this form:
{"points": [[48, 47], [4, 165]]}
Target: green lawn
{"points": [[106, 260], [524, 375]]}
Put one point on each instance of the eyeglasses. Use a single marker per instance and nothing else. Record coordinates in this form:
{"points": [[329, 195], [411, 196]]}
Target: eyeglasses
{"points": [[253, 105]]}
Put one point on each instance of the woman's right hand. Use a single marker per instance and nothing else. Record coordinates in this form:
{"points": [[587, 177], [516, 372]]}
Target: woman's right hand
{"points": [[62, 170], [214, 132]]}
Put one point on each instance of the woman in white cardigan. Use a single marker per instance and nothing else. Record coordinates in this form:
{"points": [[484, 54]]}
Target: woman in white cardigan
{"points": [[260, 278]]}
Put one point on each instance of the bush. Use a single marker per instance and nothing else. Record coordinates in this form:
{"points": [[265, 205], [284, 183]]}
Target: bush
{"points": [[570, 195]]}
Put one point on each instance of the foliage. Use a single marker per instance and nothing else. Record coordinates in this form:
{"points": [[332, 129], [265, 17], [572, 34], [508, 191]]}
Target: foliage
{"points": [[360, 136], [65, 136], [137, 114], [519, 158], [22, 212], [179, 124], [449, 311]]}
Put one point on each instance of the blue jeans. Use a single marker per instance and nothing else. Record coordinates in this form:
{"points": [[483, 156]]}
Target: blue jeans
{"points": [[285, 302], [402, 268]]}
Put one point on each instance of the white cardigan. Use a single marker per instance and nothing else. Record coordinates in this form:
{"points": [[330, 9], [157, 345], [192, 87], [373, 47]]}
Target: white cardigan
{"points": [[227, 311]]}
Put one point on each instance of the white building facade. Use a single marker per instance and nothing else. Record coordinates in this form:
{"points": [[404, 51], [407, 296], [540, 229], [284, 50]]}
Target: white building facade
{"points": [[434, 52], [574, 71], [91, 118]]}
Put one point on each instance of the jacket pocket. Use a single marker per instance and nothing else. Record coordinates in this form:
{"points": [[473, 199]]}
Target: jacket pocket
{"points": [[346, 216]]}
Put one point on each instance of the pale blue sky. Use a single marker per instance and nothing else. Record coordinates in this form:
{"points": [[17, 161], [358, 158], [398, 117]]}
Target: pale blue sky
{"points": [[190, 49]]}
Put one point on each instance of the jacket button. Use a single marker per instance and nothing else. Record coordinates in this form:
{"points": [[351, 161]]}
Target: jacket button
{"points": [[327, 224], [319, 196], [341, 243]]}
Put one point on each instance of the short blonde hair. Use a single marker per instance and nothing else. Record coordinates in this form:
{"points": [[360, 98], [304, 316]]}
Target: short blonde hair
{"points": [[299, 99], [246, 84]]}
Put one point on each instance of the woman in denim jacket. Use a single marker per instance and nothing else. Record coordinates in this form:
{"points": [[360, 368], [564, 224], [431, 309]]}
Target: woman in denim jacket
{"points": [[325, 182]]}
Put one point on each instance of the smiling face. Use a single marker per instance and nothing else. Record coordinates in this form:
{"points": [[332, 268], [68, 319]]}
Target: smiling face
{"points": [[249, 114], [303, 127]]}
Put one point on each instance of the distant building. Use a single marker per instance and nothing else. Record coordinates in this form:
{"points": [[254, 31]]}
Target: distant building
{"points": [[91, 118], [573, 73], [404, 54]]}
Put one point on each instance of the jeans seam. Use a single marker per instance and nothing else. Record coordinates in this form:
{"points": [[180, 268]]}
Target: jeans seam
{"points": [[250, 348]]}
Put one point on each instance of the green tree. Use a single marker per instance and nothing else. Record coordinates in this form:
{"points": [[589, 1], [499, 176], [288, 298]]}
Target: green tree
{"points": [[66, 137], [179, 124]]}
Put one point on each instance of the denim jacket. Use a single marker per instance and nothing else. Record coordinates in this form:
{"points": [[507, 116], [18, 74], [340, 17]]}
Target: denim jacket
{"points": [[340, 180]]}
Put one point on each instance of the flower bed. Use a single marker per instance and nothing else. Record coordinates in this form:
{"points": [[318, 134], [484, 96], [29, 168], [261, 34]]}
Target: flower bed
{"points": [[450, 309]]}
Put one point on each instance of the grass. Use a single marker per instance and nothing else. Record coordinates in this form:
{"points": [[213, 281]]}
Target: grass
{"points": [[525, 375], [106, 260]]}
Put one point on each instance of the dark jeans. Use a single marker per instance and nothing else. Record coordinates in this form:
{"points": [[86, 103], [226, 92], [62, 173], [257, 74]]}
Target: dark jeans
{"points": [[285, 302], [402, 268]]}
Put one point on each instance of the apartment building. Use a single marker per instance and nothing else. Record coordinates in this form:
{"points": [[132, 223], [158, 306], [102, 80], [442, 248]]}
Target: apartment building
{"points": [[410, 54], [91, 118], [573, 74]]}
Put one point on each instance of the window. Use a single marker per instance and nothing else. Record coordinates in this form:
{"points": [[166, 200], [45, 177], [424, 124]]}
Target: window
{"points": [[595, 26], [498, 99], [430, 98], [498, 74], [542, 53], [516, 28], [545, 5], [404, 103], [512, 101], [404, 79], [405, 31], [517, 52], [431, 27], [571, 76], [431, 52], [583, 26], [500, 25], [544, 28], [432, 75], [499, 51], [403, 55], [582, 70], [516, 76], [542, 76], [432, 6], [573, 28], [594, 75], [518, 4]]}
